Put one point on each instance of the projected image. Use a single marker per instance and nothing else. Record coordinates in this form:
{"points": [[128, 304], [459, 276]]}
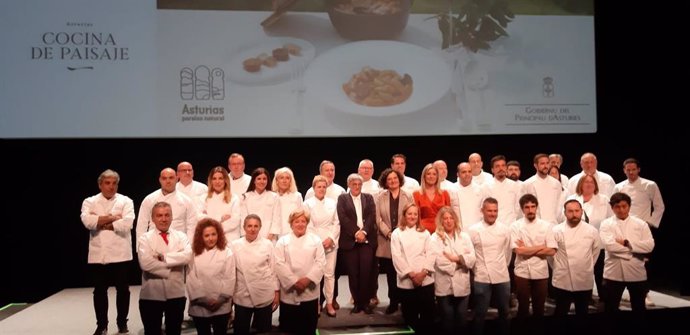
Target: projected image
{"points": [[311, 68]]}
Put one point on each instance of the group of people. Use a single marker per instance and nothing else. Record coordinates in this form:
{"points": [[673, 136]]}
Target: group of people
{"points": [[235, 243]]}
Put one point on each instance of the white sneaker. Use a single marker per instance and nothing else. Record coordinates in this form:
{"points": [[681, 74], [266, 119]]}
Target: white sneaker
{"points": [[648, 302]]}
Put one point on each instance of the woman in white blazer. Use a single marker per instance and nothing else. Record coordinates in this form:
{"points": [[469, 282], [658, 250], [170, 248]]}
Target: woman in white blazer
{"points": [[290, 199], [455, 257], [210, 279]]}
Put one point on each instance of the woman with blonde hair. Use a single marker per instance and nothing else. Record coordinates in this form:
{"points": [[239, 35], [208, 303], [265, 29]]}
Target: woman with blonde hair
{"points": [[414, 260], [430, 197], [221, 204], [454, 258], [290, 199]]}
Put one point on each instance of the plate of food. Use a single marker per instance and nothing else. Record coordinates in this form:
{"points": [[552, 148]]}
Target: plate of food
{"points": [[270, 61], [378, 78]]}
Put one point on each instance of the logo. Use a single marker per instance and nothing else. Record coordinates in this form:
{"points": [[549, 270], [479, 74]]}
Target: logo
{"points": [[547, 87], [202, 83]]}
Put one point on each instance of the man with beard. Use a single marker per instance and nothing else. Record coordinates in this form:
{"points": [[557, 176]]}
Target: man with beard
{"points": [[506, 191], [547, 189]]}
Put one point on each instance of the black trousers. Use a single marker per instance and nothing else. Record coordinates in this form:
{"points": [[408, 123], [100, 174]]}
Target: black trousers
{"points": [[104, 276], [243, 317], [152, 312], [299, 319], [216, 325]]}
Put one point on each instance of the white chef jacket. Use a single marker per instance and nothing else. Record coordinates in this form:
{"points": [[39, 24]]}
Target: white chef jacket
{"points": [[370, 186], [647, 203], [508, 194], [184, 213], [411, 185], [450, 278], [196, 191], [492, 249], [578, 250], [298, 257], [597, 208], [323, 219], [108, 246], [267, 206], [256, 278], [239, 186], [549, 192], [482, 178], [215, 207], [619, 263], [470, 198], [537, 232], [288, 203], [604, 181], [411, 251], [211, 275], [452, 190], [163, 280], [333, 191]]}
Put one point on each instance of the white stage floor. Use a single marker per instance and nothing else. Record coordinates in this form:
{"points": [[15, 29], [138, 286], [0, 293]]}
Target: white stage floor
{"points": [[70, 311]]}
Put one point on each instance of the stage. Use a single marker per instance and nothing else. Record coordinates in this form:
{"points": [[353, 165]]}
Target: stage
{"points": [[70, 311]]}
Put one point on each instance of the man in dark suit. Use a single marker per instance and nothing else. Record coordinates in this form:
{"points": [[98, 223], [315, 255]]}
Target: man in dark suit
{"points": [[357, 242]]}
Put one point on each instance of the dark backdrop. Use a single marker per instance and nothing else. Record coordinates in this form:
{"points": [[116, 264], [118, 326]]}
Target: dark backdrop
{"points": [[46, 180]]}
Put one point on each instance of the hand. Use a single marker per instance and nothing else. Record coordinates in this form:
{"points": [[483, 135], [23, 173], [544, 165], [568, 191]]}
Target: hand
{"points": [[451, 257], [360, 237], [276, 301], [301, 284], [620, 241], [225, 217], [520, 243], [328, 243], [160, 257]]}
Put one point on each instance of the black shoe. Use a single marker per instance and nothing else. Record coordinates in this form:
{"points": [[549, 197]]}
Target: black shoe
{"points": [[392, 308], [101, 331], [122, 329], [368, 310], [356, 309]]}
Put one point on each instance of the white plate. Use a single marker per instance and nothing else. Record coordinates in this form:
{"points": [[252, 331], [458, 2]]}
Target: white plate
{"points": [[328, 72], [282, 72]]}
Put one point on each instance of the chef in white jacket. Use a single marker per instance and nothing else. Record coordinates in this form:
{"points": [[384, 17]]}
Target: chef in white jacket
{"points": [[210, 278], [221, 204], [627, 239], [261, 201], [491, 240], [323, 221], [300, 262], [257, 288], [455, 258], [109, 217], [573, 264], [163, 253], [413, 259]]}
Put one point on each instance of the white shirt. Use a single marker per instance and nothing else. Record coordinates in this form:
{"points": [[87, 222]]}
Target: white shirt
{"points": [[482, 178], [267, 206], [619, 263], [239, 186], [256, 278], [470, 198], [449, 277], [492, 249], [288, 203], [298, 257], [108, 246], [333, 191], [184, 213], [196, 191], [323, 219], [411, 185], [604, 181], [211, 275], [411, 252], [597, 209], [371, 186], [508, 194], [452, 190], [549, 192], [534, 233], [573, 263], [163, 280], [646, 203], [215, 207]]}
